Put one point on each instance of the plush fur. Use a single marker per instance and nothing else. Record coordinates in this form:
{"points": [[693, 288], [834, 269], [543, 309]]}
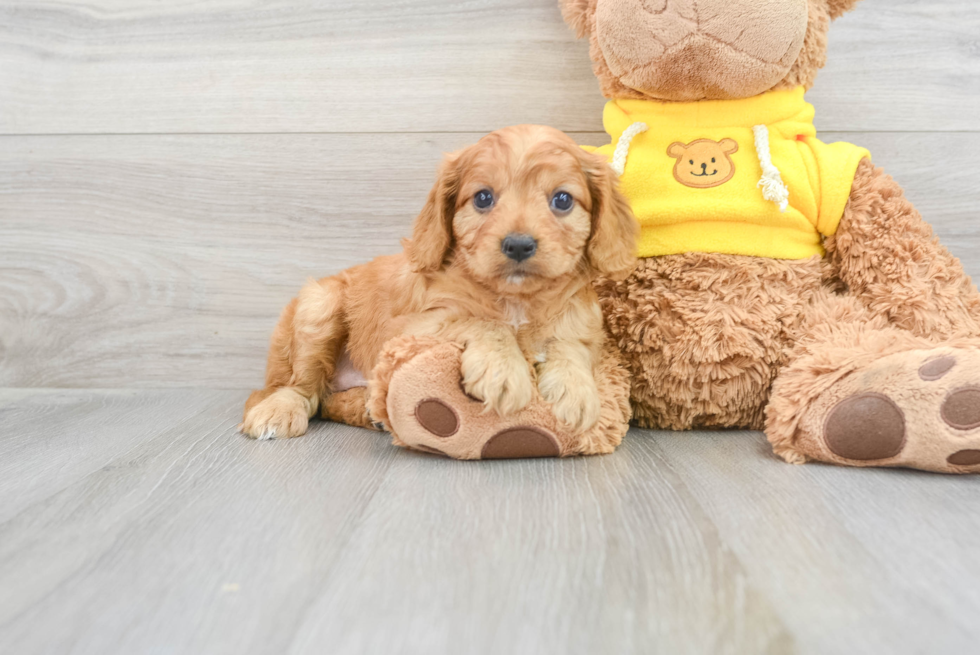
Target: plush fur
{"points": [[724, 64], [413, 371], [527, 330], [799, 348]]}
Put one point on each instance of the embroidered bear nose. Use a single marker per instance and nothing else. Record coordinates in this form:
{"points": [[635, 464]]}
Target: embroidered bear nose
{"points": [[519, 246], [704, 168]]}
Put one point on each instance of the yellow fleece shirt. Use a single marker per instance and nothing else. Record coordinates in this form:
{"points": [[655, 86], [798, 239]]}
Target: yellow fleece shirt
{"points": [[694, 176]]}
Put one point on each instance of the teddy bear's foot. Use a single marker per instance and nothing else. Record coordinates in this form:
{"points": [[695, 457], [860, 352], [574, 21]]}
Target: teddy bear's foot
{"points": [[418, 394], [915, 409]]}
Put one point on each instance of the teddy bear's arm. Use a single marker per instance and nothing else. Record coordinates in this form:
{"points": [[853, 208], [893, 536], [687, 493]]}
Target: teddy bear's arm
{"points": [[887, 255]]}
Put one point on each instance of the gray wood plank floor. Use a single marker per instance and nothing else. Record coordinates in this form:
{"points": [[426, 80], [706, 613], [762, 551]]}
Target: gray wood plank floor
{"points": [[170, 173], [142, 523]]}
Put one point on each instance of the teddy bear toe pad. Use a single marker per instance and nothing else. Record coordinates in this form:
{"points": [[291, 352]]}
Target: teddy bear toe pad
{"points": [[521, 442], [916, 409], [935, 369], [865, 427], [961, 409], [437, 417]]}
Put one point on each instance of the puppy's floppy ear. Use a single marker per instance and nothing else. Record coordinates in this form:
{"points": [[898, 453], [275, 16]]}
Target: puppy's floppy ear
{"points": [[577, 14], [838, 8], [432, 232], [612, 246]]}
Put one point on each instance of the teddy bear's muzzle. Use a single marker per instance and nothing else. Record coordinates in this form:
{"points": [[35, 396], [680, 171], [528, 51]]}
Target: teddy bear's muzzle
{"points": [[705, 49]]}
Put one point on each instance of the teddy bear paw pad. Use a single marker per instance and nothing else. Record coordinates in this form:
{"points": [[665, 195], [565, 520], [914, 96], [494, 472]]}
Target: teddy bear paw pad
{"points": [[521, 442], [913, 409], [935, 369], [865, 427], [437, 417], [961, 409], [429, 411]]}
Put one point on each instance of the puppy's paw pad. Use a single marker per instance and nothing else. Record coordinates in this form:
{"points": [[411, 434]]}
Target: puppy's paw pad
{"points": [[437, 417], [865, 427], [521, 442]]}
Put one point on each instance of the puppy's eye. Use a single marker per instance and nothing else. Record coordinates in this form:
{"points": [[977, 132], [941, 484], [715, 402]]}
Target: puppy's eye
{"points": [[562, 201], [692, 162], [483, 200], [712, 160]]}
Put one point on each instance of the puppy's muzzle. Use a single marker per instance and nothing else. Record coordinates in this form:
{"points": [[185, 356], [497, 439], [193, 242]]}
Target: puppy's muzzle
{"points": [[519, 247]]}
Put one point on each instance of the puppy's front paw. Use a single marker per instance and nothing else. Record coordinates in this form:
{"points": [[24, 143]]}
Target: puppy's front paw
{"points": [[282, 415], [501, 379], [572, 394]]}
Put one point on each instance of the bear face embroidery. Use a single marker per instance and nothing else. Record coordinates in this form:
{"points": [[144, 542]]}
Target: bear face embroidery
{"points": [[704, 163]]}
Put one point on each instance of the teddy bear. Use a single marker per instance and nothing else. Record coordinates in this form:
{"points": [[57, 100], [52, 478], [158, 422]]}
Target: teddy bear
{"points": [[785, 284]]}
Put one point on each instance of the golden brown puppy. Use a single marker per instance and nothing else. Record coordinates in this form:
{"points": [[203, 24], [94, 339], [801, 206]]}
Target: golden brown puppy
{"points": [[501, 259]]}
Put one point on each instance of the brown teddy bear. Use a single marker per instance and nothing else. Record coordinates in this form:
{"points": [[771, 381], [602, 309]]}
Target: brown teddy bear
{"points": [[785, 284]]}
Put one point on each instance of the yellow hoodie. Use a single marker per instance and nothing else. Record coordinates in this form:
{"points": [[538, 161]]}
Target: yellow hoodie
{"points": [[742, 177]]}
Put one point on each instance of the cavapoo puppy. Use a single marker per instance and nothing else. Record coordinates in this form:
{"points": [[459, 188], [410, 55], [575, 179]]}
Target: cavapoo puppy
{"points": [[501, 260]]}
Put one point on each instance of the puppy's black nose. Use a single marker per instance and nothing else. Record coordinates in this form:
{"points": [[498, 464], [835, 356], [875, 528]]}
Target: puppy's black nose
{"points": [[704, 168], [519, 247]]}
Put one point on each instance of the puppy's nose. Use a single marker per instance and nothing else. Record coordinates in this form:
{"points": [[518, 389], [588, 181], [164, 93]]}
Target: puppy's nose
{"points": [[704, 167], [519, 246]]}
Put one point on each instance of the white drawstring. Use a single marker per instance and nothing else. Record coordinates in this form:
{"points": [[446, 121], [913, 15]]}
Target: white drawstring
{"points": [[773, 188], [623, 146]]}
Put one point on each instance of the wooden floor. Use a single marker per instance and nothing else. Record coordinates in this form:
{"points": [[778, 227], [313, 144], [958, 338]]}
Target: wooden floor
{"points": [[170, 174]]}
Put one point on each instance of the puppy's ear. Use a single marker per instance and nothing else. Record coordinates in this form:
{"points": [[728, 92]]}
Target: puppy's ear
{"points": [[432, 232], [612, 246], [838, 8], [577, 14], [729, 146]]}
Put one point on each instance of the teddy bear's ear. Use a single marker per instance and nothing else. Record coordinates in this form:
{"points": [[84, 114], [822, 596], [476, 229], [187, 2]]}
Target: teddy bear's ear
{"points": [[838, 8], [577, 14], [677, 150]]}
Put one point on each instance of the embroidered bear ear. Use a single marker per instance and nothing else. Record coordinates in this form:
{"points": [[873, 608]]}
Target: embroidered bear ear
{"points": [[729, 146], [677, 149]]}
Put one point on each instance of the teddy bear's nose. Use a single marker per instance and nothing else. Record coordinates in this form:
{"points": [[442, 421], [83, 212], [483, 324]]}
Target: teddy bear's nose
{"points": [[704, 168]]}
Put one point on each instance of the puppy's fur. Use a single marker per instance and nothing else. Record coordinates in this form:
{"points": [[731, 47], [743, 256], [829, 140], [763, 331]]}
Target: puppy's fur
{"points": [[537, 319]]}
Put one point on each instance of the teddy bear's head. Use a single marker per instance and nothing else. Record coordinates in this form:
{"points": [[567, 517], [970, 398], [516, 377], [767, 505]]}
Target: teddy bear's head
{"points": [[686, 50]]}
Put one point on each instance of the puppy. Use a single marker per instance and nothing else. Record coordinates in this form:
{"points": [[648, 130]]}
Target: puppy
{"points": [[501, 260]]}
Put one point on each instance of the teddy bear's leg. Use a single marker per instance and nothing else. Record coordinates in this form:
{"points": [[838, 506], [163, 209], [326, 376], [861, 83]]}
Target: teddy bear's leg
{"points": [[416, 392], [889, 258], [859, 392], [703, 335]]}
